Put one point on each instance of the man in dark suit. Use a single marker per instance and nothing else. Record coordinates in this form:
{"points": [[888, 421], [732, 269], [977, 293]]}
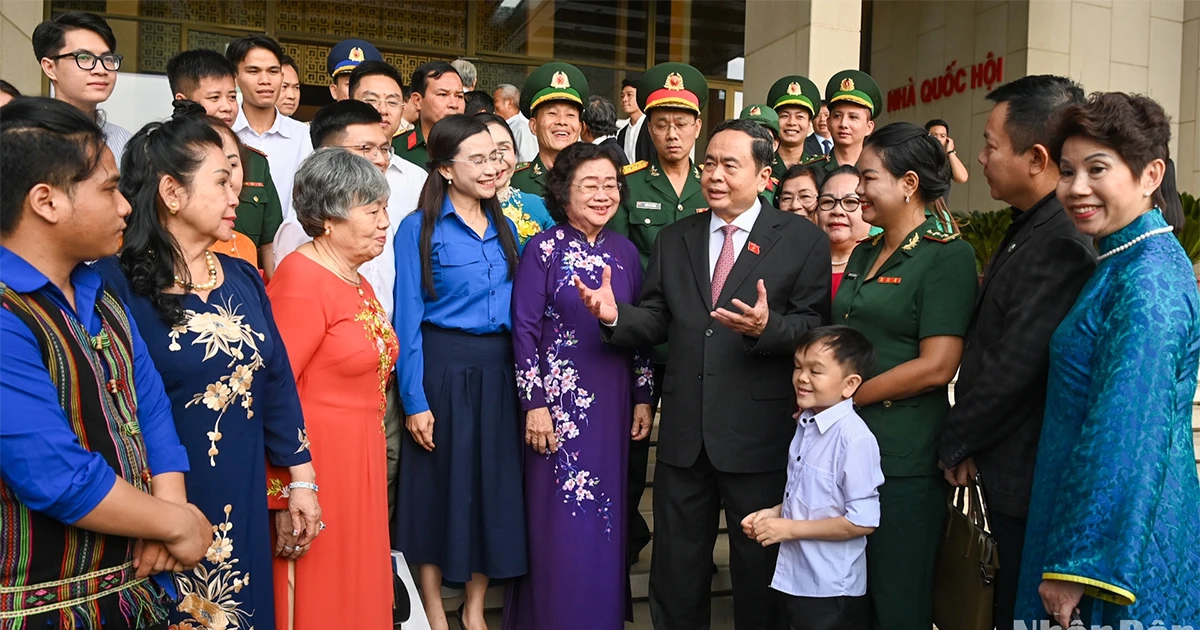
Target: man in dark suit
{"points": [[733, 289], [600, 127], [1028, 287]]}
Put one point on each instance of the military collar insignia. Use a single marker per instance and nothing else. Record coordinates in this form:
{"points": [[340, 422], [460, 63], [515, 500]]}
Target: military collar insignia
{"points": [[912, 242], [653, 171], [412, 140], [695, 171], [674, 82], [847, 84], [793, 89], [537, 168], [356, 54], [560, 81]]}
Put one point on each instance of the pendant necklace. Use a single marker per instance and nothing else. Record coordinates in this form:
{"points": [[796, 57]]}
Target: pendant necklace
{"points": [[333, 267]]}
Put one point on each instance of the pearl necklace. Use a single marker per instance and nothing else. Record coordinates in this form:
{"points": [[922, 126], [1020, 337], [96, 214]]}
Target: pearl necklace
{"points": [[1135, 241], [839, 263], [211, 261]]}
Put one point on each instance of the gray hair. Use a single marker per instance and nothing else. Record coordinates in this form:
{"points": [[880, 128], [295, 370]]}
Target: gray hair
{"points": [[329, 183], [509, 92], [600, 116], [466, 70]]}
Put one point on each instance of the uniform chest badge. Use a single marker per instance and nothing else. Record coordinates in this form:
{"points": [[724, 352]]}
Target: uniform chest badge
{"points": [[752, 247], [649, 205], [889, 280]]}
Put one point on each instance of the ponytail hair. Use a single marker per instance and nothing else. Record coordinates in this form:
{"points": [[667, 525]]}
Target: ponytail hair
{"points": [[443, 144], [150, 256]]}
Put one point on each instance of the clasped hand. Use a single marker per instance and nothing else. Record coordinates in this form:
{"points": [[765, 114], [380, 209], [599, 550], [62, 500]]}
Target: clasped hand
{"points": [[767, 527], [752, 320], [181, 554]]}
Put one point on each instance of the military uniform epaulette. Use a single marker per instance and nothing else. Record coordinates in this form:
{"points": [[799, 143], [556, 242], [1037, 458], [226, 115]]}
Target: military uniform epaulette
{"points": [[520, 167], [630, 169], [941, 237], [255, 150], [772, 183], [814, 160]]}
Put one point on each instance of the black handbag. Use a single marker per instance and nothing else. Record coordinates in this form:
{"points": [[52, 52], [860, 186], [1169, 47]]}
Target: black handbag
{"points": [[966, 564]]}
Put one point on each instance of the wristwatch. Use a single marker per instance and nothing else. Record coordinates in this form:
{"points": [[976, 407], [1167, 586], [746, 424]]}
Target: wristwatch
{"points": [[952, 152]]}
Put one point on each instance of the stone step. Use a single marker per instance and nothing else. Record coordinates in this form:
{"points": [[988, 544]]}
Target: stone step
{"points": [[639, 576]]}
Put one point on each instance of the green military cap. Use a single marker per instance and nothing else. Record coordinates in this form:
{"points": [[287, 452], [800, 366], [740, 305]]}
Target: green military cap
{"points": [[675, 85], [795, 90], [854, 86], [762, 115], [554, 81]]}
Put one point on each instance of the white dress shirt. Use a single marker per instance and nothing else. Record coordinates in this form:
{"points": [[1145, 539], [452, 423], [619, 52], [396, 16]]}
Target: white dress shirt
{"points": [[833, 471], [716, 238], [826, 144], [285, 144], [406, 181], [116, 137], [631, 138], [527, 144]]}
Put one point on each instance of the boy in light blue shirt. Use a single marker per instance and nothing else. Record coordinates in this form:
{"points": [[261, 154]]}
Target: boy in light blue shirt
{"points": [[831, 502]]}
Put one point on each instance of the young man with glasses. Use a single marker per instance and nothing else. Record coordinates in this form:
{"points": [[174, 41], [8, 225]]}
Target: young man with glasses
{"points": [[78, 53], [207, 77]]}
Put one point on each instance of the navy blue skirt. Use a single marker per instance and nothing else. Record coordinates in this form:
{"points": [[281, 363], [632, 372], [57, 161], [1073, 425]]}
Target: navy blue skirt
{"points": [[461, 507]]}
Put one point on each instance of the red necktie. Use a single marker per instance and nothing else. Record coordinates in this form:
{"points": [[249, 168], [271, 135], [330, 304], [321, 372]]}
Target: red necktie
{"points": [[724, 263]]}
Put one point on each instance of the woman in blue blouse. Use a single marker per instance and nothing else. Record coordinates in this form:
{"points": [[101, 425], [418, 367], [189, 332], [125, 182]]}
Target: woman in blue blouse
{"points": [[527, 210], [459, 508], [208, 326]]}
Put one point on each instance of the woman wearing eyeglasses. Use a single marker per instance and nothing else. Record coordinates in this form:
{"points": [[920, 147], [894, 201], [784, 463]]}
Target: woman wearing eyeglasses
{"points": [[459, 509], [798, 190], [584, 400], [527, 210], [838, 214]]}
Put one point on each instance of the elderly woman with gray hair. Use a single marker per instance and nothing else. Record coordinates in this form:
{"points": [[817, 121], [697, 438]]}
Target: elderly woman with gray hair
{"points": [[342, 349]]}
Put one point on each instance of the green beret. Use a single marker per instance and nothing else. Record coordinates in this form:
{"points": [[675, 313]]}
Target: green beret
{"points": [[854, 86], [762, 115], [555, 81], [795, 90], [675, 85]]}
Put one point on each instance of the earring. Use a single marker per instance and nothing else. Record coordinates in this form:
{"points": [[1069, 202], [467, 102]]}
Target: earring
{"points": [[449, 181], [905, 198], [1145, 194], [328, 230]]}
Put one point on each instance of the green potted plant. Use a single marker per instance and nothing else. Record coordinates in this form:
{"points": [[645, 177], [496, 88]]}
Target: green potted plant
{"points": [[1190, 236], [984, 230]]}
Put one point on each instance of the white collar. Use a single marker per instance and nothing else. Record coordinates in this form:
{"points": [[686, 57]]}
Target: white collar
{"points": [[744, 221], [277, 127], [517, 117], [601, 139], [830, 416]]}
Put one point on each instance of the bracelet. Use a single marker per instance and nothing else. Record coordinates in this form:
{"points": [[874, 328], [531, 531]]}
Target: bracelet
{"points": [[952, 152], [303, 484]]}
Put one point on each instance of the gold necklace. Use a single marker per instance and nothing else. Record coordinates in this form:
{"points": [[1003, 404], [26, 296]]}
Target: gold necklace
{"points": [[209, 260], [332, 266]]}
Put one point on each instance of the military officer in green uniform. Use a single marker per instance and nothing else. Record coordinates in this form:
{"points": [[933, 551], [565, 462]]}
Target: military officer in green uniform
{"points": [[552, 100], [259, 214], [854, 102], [437, 91], [766, 117], [911, 291], [795, 100]]}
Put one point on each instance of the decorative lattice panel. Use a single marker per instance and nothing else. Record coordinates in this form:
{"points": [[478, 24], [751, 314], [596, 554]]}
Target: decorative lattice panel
{"points": [[493, 75], [311, 59], [159, 42], [213, 41], [91, 6], [243, 13], [501, 30], [406, 64]]}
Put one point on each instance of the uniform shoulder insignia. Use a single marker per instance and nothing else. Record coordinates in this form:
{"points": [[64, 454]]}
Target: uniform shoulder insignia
{"points": [[772, 183], [941, 237], [629, 169], [256, 150], [814, 160], [520, 167], [699, 210], [874, 239]]}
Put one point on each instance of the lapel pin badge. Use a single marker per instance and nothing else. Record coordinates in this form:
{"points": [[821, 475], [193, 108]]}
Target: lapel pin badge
{"points": [[753, 247]]}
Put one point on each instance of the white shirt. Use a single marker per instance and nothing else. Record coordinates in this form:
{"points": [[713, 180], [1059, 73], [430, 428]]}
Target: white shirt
{"points": [[833, 471], [406, 181], [826, 143], [116, 137], [285, 144], [631, 137], [527, 144], [716, 238]]}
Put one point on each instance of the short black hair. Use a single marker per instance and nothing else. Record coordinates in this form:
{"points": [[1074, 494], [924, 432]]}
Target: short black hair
{"points": [[559, 179], [762, 147], [186, 70], [370, 69], [331, 121], [851, 349], [43, 141], [429, 70], [406, 91], [600, 116], [49, 37], [937, 122], [1032, 101], [816, 171], [240, 47], [628, 82], [9, 89], [286, 60], [479, 102], [844, 169]]}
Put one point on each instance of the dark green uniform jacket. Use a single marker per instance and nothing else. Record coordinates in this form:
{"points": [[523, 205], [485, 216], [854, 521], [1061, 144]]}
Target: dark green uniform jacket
{"points": [[530, 177], [260, 213], [410, 145]]}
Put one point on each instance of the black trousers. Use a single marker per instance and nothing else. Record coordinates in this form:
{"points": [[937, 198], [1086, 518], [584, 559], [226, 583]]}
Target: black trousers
{"points": [[687, 507], [639, 461], [827, 613], [1009, 532]]}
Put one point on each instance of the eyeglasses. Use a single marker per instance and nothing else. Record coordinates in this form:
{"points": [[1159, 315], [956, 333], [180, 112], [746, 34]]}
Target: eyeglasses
{"points": [[827, 203], [496, 159], [591, 188], [663, 127], [390, 103], [87, 60], [806, 199], [370, 151]]}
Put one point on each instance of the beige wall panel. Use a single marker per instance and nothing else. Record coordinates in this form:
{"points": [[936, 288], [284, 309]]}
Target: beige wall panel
{"points": [[1189, 66], [1167, 9], [763, 67], [18, 18], [960, 31], [979, 198], [1099, 3], [771, 20], [931, 16], [1191, 10], [1130, 35], [1018, 25], [884, 13], [831, 50], [1186, 173], [1165, 64], [1091, 28], [1124, 77], [1045, 62], [1048, 20], [836, 13]]}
